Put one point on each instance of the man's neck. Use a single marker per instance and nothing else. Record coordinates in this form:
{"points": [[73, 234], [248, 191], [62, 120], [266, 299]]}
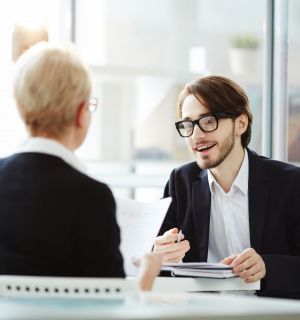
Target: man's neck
{"points": [[227, 171]]}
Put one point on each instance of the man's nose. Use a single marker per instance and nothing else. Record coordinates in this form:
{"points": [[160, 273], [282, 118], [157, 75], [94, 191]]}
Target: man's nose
{"points": [[198, 133]]}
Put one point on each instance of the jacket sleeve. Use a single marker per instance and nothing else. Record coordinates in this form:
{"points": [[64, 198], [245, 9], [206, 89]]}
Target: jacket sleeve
{"points": [[283, 271], [170, 220]]}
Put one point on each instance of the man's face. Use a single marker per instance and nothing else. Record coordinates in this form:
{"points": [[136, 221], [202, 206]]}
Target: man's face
{"points": [[209, 148]]}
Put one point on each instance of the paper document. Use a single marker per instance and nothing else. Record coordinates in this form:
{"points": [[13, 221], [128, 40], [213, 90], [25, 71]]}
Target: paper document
{"points": [[199, 269], [139, 223], [199, 265]]}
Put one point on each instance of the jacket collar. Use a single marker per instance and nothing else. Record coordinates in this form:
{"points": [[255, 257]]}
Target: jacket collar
{"points": [[201, 212], [258, 198]]}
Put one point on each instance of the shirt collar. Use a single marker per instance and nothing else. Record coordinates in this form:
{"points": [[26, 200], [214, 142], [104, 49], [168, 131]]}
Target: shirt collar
{"points": [[240, 182], [51, 147], [211, 182]]}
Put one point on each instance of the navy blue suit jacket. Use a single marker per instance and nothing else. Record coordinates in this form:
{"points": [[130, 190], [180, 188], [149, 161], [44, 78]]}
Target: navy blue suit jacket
{"points": [[274, 218], [56, 221]]}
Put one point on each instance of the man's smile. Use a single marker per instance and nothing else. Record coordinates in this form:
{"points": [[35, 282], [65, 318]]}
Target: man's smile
{"points": [[204, 148]]}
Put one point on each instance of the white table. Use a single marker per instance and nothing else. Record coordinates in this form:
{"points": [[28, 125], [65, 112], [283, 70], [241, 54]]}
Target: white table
{"points": [[152, 306], [181, 285]]}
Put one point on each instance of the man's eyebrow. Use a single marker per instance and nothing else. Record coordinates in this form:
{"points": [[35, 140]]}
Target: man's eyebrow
{"points": [[200, 116]]}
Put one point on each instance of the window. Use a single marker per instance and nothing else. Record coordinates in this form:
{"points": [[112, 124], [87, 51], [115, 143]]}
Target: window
{"points": [[293, 82], [30, 13], [143, 52]]}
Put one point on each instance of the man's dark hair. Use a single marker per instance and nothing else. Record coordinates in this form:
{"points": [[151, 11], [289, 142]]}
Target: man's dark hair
{"points": [[219, 94]]}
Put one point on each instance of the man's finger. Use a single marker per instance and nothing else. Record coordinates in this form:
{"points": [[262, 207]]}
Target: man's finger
{"points": [[229, 259], [246, 254], [171, 231], [166, 238], [248, 263], [175, 256], [250, 272], [255, 277], [172, 247]]}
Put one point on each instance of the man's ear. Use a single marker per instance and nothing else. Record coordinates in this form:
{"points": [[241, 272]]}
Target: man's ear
{"points": [[81, 114], [241, 124]]}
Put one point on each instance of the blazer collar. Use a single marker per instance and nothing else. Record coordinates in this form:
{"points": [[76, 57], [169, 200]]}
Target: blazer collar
{"points": [[203, 174], [201, 212], [258, 198]]}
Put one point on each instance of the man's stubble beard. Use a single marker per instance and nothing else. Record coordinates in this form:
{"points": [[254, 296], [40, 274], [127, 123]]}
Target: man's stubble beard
{"points": [[225, 150]]}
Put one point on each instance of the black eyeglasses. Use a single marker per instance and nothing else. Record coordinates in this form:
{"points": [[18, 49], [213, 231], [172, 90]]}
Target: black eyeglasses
{"points": [[93, 104], [207, 123]]}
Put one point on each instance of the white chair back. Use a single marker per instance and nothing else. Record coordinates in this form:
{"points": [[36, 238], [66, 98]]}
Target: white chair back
{"points": [[33, 286]]}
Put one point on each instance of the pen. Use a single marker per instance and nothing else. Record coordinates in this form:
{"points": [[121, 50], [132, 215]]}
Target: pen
{"points": [[179, 236]]}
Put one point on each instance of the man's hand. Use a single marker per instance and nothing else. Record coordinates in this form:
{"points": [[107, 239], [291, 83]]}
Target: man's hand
{"points": [[248, 265], [169, 248]]}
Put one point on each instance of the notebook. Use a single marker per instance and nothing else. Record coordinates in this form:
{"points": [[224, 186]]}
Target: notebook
{"points": [[199, 269]]}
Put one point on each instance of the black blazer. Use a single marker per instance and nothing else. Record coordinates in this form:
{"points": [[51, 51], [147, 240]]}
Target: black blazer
{"points": [[274, 218], [56, 221]]}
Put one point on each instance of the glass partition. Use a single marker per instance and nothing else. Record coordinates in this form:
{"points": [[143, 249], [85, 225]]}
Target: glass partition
{"points": [[30, 15], [143, 52], [293, 82]]}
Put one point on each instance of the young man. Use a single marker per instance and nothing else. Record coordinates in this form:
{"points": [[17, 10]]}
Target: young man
{"points": [[231, 204], [55, 220]]}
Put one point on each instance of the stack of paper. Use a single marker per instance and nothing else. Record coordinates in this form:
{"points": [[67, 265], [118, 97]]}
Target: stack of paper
{"points": [[200, 269]]}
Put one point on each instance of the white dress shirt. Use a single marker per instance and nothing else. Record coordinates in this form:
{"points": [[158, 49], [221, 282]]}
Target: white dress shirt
{"points": [[229, 216], [51, 147]]}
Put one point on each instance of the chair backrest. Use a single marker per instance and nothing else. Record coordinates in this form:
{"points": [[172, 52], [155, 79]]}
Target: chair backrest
{"points": [[33, 286]]}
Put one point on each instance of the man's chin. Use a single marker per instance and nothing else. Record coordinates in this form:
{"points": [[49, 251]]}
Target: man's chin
{"points": [[202, 164], [206, 163]]}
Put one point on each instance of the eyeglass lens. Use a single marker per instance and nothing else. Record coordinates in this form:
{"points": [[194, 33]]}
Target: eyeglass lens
{"points": [[207, 124]]}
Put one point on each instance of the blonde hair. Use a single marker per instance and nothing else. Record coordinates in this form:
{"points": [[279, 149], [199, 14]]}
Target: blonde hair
{"points": [[50, 83]]}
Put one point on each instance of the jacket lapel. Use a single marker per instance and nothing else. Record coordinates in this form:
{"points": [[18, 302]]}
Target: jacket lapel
{"points": [[258, 199], [201, 212]]}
